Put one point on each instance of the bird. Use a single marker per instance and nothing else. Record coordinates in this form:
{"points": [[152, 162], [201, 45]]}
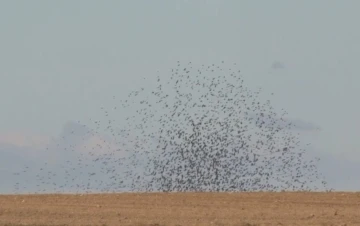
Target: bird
{"points": [[200, 129]]}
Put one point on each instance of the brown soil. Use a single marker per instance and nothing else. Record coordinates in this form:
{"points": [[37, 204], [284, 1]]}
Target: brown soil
{"points": [[185, 209]]}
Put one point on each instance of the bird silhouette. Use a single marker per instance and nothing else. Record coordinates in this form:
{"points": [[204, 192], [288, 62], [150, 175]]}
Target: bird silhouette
{"points": [[199, 129]]}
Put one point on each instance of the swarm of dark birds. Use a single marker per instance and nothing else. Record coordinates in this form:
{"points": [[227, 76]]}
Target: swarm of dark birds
{"points": [[200, 129]]}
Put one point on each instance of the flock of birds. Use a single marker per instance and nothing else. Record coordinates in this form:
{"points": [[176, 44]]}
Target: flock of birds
{"points": [[200, 129]]}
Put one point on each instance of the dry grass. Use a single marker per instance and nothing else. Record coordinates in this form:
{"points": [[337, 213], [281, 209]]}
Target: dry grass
{"points": [[182, 209]]}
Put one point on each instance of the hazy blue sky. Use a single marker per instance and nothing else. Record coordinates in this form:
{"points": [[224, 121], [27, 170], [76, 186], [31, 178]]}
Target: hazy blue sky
{"points": [[61, 61]]}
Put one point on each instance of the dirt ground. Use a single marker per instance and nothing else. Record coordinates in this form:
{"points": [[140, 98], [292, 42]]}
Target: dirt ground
{"points": [[185, 209]]}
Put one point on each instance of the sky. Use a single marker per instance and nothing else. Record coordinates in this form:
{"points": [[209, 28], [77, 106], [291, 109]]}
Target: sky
{"points": [[60, 61]]}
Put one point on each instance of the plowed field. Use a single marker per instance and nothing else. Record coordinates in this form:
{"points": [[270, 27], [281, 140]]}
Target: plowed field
{"points": [[185, 209]]}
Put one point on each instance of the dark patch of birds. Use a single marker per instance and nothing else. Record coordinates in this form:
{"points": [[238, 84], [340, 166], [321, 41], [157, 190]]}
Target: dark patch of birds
{"points": [[200, 129]]}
